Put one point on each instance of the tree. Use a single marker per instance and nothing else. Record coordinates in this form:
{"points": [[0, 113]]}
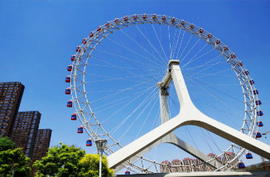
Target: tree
{"points": [[60, 161], [89, 166], [6, 143], [12, 160]]}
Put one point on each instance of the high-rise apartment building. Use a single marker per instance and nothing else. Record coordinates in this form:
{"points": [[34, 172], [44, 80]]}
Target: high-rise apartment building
{"points": [[10, 100], [42, 143], [25, 130], [41, 146]]}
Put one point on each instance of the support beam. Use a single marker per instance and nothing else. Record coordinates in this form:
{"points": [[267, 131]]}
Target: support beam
{"points": [[189, 115]]}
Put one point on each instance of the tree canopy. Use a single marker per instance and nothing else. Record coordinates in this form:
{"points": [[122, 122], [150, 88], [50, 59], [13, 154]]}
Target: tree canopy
{"points": [[71, 161], [89, 166], [12, 160], [61, 160], [6, 143]]}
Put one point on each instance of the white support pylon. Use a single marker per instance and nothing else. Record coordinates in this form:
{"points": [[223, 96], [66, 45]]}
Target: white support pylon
{"points": [[188, 115], [172, 138]]}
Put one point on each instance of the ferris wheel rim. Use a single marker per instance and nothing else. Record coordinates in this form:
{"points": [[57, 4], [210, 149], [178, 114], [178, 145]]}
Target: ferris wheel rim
{"points": [[98, 36]]}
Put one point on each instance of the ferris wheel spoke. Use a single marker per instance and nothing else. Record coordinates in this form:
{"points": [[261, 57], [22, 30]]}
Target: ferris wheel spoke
{"points": [[120, 91], [192, 58], [219, 100], [120, 78], [150, 111], [207, 68], [218, 73], [198, 58], [169, 38], [176, 43], [119, 103], [134, 62], [206, 64], [203, 137], [99, 59], [179, 48], [227, 115], [149, 99], [149, 42], [120, 124], [111, 103], [132, 51], [222, 98], [185, 47], [161, 46], [190, 50], [158, 61]]}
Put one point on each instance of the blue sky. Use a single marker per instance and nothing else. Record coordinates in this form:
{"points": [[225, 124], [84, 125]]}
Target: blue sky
{"points": [[38, 38]]}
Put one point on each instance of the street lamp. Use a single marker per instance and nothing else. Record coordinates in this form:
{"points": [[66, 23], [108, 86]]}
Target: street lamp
{"points": [[100, 144]]}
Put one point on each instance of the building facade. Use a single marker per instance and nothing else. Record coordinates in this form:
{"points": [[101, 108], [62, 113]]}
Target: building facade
{"points": [[42, 144], [195, 165], [25, 131], [10, 100]]}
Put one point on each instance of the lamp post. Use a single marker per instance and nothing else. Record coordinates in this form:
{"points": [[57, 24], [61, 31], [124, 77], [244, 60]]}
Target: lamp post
{"points": [[100, 144]]}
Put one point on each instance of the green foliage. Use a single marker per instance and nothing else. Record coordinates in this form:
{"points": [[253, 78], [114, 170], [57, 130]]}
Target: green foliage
{"points": [[71, 161], [89, 166], [12, 160], [60, 161], [6, 143]]}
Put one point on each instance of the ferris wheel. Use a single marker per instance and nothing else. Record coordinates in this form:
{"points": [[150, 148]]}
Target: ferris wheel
{"points": [[114, 83]]}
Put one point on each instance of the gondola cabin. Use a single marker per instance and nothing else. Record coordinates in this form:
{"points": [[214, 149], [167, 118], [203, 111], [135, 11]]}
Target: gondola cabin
{"points": [[127, 173], [233, 55], [241, 165], [251, 82], [258, 135], [84, 41], [201, 30], [240, 63], [67, 79], [134, 17], [125, 18], [69, 68], [249, 156], [67, 91], [217, 41], [226, 48], [255, 92], [80, 129], [246, 72], [260, 124], [182, 22], [78, 49], [91, 34], [191, 26], [98, 28], [73, 57], [144, 16], [73, 116], [259, 113], [173, 19], [69, 104], [154, 17], [116, 20], [258, 102], [163, 17], [88, 142]]}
